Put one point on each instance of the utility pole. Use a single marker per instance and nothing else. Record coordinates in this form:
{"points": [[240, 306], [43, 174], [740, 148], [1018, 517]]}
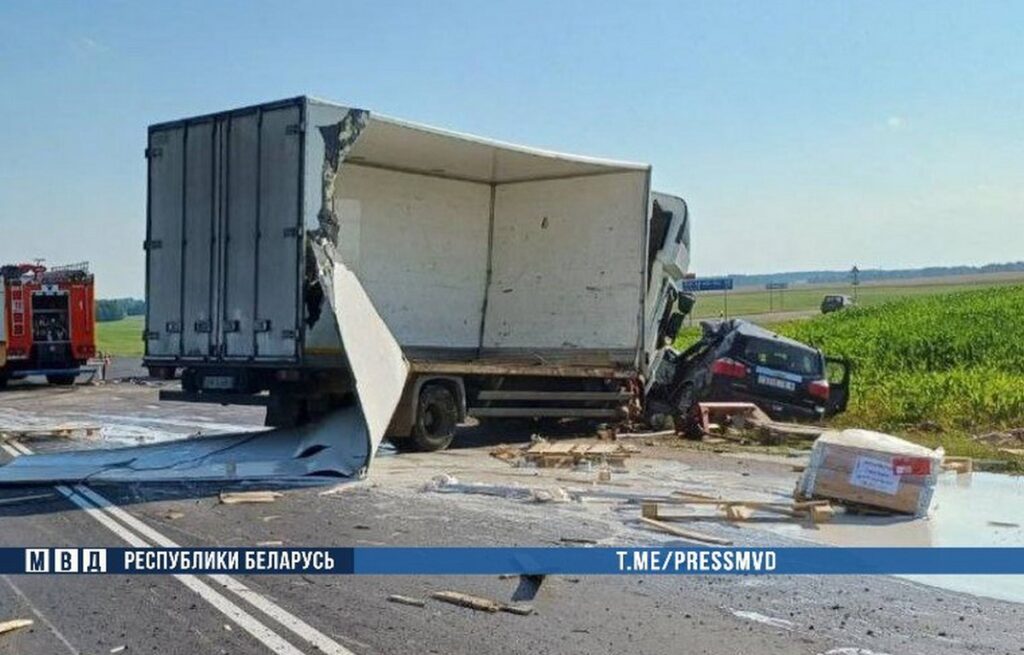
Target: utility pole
{"points": [[855, 280]]}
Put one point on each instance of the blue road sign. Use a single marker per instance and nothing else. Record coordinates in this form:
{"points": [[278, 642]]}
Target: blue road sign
{"points": [[707, 284], [776, 285]]}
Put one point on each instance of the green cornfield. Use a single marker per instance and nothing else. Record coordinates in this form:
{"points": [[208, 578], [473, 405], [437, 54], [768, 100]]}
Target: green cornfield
{"points": [[944, 364]]}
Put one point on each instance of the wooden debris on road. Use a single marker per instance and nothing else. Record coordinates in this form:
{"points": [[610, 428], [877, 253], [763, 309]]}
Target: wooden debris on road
{"points": [[465, 600], [545, 454], [239, 497], [685, 534], [406, 600], [743, 510], [15, 624], [521, 610], [65, 431]]}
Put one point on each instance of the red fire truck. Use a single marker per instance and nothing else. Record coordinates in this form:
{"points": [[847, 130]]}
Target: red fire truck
{"points": [[49, 321]]}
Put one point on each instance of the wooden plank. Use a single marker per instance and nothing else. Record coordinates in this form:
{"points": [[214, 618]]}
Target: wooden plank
{"points": [[686, 534], [405, 600], [16, 624], [465, 600], [239, 497]]}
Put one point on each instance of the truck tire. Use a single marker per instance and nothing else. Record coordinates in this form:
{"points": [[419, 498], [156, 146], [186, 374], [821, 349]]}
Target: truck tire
{"points": [[437, 414], [162, 372], [286, 411], [62, 379]]}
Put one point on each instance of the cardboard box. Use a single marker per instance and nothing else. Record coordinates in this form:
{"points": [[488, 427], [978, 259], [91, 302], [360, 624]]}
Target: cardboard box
{"points": [[872, 469]]}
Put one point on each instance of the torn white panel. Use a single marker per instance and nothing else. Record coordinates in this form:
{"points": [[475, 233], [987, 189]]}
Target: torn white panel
{"points": [[374, 356], [336, 446], [761, 618]]}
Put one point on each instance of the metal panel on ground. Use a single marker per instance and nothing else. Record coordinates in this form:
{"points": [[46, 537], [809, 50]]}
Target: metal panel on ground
{"points": [[163, 274], [277, 253], [240, 221], [197, 258]]}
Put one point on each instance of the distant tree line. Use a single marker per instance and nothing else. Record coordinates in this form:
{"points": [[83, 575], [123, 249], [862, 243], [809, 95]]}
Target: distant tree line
{"points": [[872, 274], [114, 309]]}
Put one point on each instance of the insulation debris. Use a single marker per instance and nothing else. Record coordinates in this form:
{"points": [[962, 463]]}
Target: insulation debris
{"points": [[871, 469], [480, 604], [446, 483]]}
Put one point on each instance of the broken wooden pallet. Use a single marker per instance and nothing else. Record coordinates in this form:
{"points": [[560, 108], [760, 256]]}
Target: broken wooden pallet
{"points": [[548, 455], [818, 511]]}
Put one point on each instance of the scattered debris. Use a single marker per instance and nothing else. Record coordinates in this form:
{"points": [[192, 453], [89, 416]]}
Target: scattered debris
{"points": [[685, 534], [1004, 524], [1009, 439], [818, 511], [405, 600], [269, 544], [239, 497], [871, 469], [761, 618], [465, 600], [544, 454], [478, 603], [446, 483], [173, 515], [577, 540], [16, 624], [117, 649], [40, 431], [960, 465]]}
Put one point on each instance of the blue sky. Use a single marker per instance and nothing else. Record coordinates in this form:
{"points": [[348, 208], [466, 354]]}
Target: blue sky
{"points": [[804, 134]]}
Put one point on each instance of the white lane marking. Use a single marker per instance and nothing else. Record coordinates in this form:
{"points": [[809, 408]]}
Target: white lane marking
{"points": [[39, 615], [243, 619], [260, 602], [299, 627]]}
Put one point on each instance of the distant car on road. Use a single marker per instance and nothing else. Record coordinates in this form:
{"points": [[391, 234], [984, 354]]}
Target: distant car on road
{"points": [[738, 361], [833, 303]]}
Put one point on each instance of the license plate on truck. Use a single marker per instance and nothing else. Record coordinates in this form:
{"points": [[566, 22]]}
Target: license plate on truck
{"points": [[219, 382], [776, 383]]}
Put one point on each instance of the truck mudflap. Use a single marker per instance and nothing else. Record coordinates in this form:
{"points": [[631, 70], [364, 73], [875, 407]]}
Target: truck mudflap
{"points": [[341, 445]]}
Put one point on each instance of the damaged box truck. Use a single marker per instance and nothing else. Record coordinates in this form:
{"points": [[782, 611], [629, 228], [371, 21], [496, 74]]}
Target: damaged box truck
{"points": [[516, 282]]}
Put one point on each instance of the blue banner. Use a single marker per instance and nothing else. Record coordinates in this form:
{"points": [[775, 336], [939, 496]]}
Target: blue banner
{"points": [[493, 561]]}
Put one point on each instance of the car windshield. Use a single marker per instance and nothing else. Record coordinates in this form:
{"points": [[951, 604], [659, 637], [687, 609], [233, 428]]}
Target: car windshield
{"points": [[782, 356]]}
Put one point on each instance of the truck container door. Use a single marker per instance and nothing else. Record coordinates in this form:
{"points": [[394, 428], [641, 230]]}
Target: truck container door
{"points": [[278, 236], [239, 243], [163, 242], [199, 241]]}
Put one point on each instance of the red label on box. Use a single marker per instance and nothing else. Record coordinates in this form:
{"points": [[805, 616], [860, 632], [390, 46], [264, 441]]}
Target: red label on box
{"points": [[911, 466]]}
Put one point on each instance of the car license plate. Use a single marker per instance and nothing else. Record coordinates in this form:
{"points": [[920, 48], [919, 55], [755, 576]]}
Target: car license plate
{"points": [[776, 383], [218, 382]]}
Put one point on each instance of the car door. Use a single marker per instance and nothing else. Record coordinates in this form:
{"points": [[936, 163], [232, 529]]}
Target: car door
{"points": [[837, 372]]}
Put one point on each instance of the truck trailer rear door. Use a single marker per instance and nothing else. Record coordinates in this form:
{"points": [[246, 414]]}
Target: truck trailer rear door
{"points": [[163, 242]]}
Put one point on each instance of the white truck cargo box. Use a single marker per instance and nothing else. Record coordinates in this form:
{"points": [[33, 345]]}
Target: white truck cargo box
{"points": [[469, 249]]}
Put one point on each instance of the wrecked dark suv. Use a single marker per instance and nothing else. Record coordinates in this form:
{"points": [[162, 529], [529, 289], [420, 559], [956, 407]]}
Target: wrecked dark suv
{"points": [[738, 361]]}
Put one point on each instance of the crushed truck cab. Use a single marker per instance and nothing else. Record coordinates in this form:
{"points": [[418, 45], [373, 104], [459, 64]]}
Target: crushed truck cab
{"points": [[516, 282]]}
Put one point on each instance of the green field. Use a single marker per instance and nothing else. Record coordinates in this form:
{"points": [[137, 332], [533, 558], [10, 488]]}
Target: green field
{"points": [[122, 337], [936, 370], [807, 298]]}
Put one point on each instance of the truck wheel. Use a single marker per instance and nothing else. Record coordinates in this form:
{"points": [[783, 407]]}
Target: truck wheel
{"points": [[436, 417], [162, 372], [63, 380]]}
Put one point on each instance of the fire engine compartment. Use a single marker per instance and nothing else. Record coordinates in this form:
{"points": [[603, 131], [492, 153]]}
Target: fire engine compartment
{"points": [[49, 320]]}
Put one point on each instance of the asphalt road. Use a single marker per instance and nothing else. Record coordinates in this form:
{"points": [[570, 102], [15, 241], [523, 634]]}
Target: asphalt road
{"points": [[314, 614]]}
